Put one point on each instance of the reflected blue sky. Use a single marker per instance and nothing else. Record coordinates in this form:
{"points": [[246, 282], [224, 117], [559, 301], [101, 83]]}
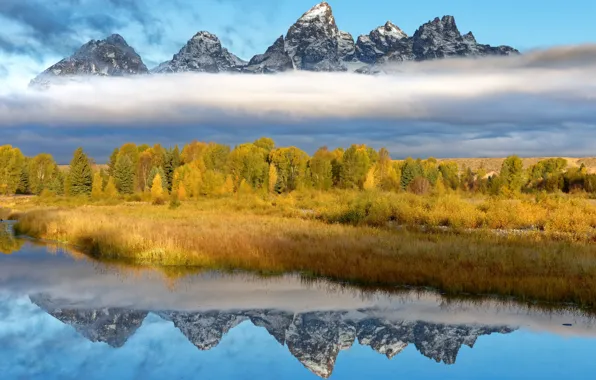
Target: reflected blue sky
{"points": [[34, 345]]}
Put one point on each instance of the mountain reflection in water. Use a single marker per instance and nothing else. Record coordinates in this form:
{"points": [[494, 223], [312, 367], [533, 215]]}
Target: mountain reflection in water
{"points": [[66, 316], [314, 338]]}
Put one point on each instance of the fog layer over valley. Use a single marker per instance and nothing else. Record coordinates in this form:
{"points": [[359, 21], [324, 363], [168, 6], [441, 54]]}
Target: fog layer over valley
{"points": [[489, 107]]}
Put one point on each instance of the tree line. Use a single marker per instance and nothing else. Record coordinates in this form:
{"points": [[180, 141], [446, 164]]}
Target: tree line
{"points": [[206, 169]]}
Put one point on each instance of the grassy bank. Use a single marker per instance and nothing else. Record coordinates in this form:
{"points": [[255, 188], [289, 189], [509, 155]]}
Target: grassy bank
{"points": [[295, 235]]}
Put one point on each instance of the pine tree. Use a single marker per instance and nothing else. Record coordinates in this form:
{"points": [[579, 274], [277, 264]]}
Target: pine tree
{"points": [[97, 188], [80, 175], [124, 175], [112, 163], [175, 162]]}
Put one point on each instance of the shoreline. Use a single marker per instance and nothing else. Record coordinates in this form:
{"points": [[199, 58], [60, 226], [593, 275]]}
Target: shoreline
{"points": [[527, 268]]}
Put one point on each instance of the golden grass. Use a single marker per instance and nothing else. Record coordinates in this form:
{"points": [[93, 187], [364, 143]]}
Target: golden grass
{"points": [[235, 234]]}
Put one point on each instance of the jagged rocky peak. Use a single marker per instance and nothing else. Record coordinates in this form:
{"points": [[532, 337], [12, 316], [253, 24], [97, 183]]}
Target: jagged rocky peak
{"points": [[386, 39], [391, 31], [313, 41], [109, 57], [113, 326], [274, 60], [316, 339], [440, 38], [346, 47], [202, 53], [204, 330]]}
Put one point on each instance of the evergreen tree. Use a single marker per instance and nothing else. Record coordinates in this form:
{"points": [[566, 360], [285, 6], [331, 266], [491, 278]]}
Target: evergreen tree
{"points": [[80, 174], [124, 175], [172, 163], [112, 163], [410, 170]]}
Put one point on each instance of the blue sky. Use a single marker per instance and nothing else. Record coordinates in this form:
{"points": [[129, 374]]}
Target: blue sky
{"points": [[37, 33]]}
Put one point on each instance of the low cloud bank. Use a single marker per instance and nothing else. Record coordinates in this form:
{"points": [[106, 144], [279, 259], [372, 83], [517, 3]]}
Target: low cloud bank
{"points": [[494, 104]]}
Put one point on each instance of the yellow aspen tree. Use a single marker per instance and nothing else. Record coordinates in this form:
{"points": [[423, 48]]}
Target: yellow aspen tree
{"points": [[371, 181], [272, 178], [96, 189], [157, 190]]}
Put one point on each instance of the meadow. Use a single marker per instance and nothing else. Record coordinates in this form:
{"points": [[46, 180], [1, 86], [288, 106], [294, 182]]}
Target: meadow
{"points": [[530, 249]]}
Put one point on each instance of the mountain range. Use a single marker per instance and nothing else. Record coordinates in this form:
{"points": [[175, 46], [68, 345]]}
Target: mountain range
{"points": [[314, 338], [313, 43]]}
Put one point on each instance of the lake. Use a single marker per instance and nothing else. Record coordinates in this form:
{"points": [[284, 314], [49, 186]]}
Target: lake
{"points": [[66, 316]]}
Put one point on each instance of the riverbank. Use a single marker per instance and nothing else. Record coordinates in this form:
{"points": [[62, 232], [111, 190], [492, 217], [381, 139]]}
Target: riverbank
{"points": [[226, 234]]}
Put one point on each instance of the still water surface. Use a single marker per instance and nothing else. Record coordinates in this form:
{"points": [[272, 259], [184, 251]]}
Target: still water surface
{"points": [[65, 316]]}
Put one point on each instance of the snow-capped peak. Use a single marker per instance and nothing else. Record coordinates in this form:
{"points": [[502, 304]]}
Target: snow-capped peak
{"points": [[390, 29], [319, 11]]}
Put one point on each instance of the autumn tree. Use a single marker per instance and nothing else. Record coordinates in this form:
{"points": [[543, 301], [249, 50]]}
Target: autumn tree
{"points": [[387, 176], [215, 157], [192, 151], [512, 173], [321, 169], [371, 180], [450, 172], [110, 191], [155, 171], [40, 169], [272, 179], [157, 190], [11, 168], [265, 143], [97, 187], [356, 164], [291, 165], [248, 162], [80, 175]]}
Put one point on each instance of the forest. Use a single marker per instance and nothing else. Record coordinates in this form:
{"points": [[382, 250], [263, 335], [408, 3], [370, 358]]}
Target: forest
{"points": [[203, 169]]}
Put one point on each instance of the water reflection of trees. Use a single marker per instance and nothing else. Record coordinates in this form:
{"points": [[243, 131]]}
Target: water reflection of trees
{"points": [[8, 243]]}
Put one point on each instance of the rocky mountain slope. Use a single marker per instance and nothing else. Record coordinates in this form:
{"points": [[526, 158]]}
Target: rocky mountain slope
{"points": [[314, 338], [314, 43], [111, 325], [109, 57], [203, 53]]}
